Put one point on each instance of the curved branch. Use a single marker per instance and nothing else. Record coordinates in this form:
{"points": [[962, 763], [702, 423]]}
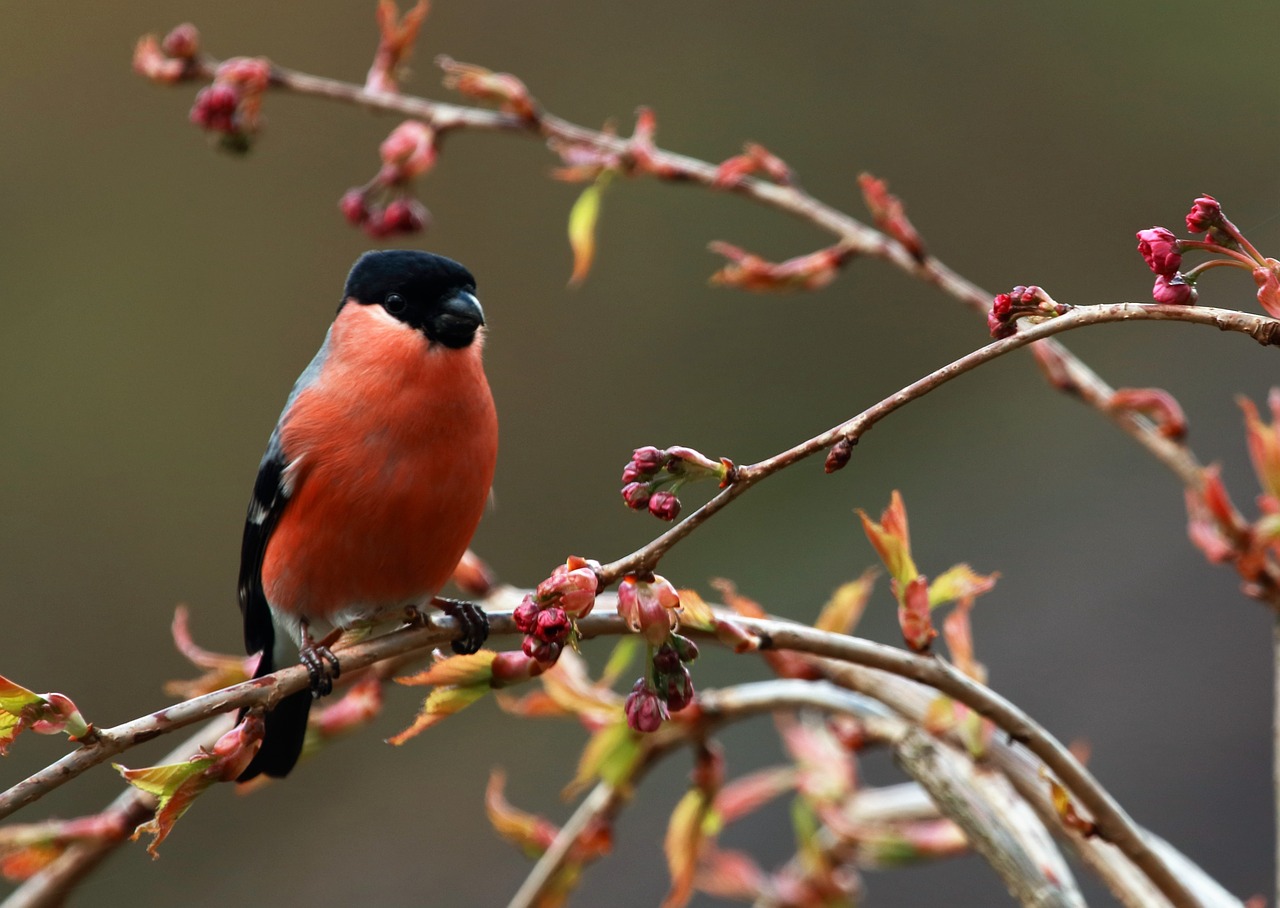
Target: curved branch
{"points": [[1019, 859], [1260, 328], [1113, 823]]}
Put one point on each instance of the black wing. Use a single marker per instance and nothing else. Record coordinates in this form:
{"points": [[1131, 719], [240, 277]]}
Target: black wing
{"points": [[269, 498]]}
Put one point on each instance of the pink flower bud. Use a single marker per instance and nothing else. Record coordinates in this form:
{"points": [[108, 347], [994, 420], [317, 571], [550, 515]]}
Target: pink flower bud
{"points": [[376, 223], [552, 625], [525, 615], [645, 710], [667, 596], [1268, 287], [1173, 290], [541, 651], [409, 151], [513, 668], [636, 495], [571, 586], [664, 505], [354, 207], [839, 455], [404, 215], [679, 690], [649, 608], [648, 460], [1161, 250], [215, 108], [1002, 305], [685, 648], [666, 660], [183, 43], [631, 473], [999, 328], [1205, 214]]}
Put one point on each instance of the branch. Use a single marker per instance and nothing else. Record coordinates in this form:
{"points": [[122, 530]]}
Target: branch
{"points": [[1124, 879], [989, 823], [1264, 330], [266, 692], [52, 885], [1023, 862], [1113, 823]]}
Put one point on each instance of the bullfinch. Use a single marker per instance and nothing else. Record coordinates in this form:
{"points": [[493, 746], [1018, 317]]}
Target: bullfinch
{"points": [[373, 482]]}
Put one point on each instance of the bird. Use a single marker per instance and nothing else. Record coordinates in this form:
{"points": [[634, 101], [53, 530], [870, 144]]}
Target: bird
{"points": [[373, 482]]}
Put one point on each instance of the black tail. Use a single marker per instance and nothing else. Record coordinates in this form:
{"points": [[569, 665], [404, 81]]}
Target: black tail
{"points": [[286, 728]]}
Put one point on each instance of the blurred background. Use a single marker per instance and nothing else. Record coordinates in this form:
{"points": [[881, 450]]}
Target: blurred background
{"points": [[160, 298]]}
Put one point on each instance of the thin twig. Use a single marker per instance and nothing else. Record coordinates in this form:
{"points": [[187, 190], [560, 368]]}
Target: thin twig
{"points": [[1265, 330], [599, 806], [600, 801]]}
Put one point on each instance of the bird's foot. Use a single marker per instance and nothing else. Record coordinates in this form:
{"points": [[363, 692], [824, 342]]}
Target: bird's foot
{"points": [[322, 665], [473, 623]]}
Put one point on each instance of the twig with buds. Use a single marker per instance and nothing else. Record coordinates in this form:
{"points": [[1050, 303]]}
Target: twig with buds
{"points": [[757, 174]]}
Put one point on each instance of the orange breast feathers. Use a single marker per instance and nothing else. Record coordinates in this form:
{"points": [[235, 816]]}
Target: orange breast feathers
{"points": [[390, 452]]}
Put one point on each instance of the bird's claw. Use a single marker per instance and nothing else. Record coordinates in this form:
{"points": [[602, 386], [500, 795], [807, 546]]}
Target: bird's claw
{"points": [[322, 667], [473, 624]]}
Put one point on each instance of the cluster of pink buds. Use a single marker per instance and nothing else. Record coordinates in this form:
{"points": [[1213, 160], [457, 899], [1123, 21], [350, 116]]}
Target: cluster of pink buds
{"points": [[232, 105], [1162, 251], [385, 205], [546, 616], [651, 470], [1021, 302], [666, 689]]}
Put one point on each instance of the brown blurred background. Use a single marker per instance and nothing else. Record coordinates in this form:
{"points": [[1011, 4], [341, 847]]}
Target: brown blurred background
{"points": [[161, 297]]}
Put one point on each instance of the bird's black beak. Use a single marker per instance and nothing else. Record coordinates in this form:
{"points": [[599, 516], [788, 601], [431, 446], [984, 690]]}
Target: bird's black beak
{"points": [[456, 321]]}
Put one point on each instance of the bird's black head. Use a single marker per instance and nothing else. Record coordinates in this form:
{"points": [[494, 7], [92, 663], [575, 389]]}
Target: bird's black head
{"points": [[428, 292]]}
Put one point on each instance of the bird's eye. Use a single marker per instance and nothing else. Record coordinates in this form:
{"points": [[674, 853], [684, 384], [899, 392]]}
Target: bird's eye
{"points": [[395, 303]]}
